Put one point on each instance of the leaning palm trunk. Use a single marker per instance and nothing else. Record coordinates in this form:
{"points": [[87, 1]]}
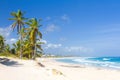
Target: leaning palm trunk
{"points": [[33, 52], [21, 40], [20, 47]]}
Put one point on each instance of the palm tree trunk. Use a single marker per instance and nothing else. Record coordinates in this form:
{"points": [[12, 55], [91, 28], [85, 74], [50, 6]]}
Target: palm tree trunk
{"points": [[35, 52], [20, 47], [33, 48]]}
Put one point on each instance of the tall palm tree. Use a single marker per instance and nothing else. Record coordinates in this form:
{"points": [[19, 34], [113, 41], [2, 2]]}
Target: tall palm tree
{"points": [[19, 24], [33, 34], [2, 43]]}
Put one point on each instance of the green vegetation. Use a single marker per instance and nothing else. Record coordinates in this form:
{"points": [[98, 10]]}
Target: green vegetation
{"points": [[33, 32], [2, 43], [28, 45]]}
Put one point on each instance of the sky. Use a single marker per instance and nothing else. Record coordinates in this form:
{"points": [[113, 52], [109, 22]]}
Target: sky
{"points": [[69, 27]]}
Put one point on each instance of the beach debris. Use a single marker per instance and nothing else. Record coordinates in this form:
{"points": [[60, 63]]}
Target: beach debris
{"points": [[56, 72]]}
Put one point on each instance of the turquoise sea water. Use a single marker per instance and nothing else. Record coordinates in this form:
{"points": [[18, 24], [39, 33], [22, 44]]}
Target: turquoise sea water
{"points": [[104, 62]]}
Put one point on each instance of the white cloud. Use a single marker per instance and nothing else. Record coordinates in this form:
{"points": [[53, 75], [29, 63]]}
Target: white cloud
{"points": [[78, 49], [44, 41], [53, 46], [51, 28], [65, 17], [5, 31], [11, 40]]}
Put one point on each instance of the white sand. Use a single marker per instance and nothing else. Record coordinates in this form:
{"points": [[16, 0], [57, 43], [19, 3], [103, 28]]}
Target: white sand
{"points": [[30, 70]]}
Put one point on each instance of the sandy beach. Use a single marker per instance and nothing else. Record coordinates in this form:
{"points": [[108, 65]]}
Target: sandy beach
{"points": [[49, 69]]}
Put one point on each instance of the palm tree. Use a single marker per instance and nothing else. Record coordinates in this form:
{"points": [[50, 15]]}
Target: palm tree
{"points": [[39, 49], [27, 49], [19, 24], [33, 33], [7, 49], [2, 43], [17, 47]]}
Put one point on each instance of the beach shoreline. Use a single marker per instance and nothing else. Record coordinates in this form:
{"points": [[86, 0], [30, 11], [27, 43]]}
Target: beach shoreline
{"points": [[53, 70], [80, 64]]}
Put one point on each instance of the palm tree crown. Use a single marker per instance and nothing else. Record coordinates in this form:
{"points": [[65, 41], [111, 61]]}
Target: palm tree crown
{"points": [[19, 20], [34, 30]]}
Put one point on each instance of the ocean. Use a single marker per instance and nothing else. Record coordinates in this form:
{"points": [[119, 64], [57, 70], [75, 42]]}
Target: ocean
{"points": [[103, 62]]}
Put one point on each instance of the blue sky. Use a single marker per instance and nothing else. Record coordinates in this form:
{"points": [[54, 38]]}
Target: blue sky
{"points": [[70, 27]]}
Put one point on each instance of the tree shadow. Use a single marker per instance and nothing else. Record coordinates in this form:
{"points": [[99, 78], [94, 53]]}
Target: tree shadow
{"points": [[8, 62], [40, 64]]}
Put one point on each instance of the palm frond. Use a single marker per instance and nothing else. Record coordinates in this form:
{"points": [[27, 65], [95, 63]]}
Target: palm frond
{"points": [[39, 47], [14, 25], [14, 14], [40, 43], [39, 34], [12, 19]]}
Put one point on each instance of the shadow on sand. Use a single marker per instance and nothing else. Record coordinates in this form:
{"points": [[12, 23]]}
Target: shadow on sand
{"points": [[41, 65], [8, 62]]}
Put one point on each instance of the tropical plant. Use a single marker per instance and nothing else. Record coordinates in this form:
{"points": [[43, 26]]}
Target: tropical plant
{"points": [[13, 51], [7, 49], [2, 43], [17, 47], [29, 43], [27, 49], [33, 33], [19, 22]]}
